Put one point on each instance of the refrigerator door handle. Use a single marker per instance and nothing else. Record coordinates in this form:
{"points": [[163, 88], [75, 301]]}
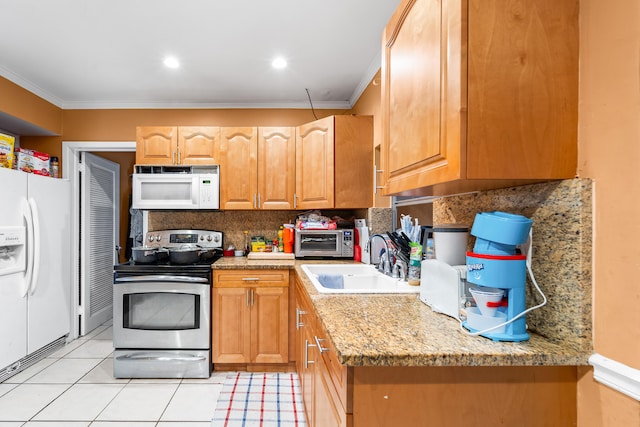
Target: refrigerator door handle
{"points": [[28, 274], [36, 245]]}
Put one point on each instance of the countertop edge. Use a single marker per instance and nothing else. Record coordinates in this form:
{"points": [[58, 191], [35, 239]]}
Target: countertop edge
{"points": [[429, 339]]}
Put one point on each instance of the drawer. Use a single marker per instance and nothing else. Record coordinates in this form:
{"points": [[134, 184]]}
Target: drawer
{"points": [[250, 278], [337, 372]]}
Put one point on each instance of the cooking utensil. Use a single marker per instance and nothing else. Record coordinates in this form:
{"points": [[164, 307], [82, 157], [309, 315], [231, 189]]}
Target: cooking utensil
{"points": [[185, 254], [144, 254]]}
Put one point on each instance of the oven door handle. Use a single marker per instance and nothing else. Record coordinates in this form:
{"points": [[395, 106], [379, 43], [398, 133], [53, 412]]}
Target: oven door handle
{"points": [[161, 358], [161, 278]]}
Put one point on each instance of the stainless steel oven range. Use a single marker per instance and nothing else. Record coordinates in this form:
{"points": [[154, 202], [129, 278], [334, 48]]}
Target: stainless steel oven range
{"points": [[162, 309]]}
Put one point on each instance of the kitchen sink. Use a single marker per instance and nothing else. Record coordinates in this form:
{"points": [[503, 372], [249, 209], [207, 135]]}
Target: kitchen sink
{"points": [[354, 279]]}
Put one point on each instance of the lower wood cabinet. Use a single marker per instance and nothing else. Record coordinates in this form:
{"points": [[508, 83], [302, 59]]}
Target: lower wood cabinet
{"points": [[335, 395], [323, 384], [250, 316]]}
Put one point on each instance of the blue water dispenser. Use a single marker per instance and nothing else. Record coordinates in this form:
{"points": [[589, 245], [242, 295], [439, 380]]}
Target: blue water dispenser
{"points": [[499, 271]]}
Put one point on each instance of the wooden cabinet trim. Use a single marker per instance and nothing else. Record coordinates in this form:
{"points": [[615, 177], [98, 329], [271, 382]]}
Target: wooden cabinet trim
{"points": [[238, 278]]}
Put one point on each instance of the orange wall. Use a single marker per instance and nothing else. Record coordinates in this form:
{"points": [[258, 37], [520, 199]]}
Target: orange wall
{"points": [[609, 153], [28, 107], [120, 125]]}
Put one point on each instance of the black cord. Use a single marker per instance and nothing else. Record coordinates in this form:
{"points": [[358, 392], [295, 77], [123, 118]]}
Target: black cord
{"points": [[311, 103]]}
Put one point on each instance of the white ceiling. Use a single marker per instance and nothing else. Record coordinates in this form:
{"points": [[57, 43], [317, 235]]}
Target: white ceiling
{"points": [[108, 53]]}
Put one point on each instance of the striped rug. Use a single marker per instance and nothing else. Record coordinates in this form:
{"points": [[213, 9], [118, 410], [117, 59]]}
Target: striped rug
{"points": [[250, 399]]}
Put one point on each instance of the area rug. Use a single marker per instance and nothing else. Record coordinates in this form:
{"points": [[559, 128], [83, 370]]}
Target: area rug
{"points": [[250, 399]]}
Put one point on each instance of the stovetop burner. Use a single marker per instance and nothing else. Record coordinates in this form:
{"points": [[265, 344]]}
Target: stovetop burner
{"points": [[209, 240]]}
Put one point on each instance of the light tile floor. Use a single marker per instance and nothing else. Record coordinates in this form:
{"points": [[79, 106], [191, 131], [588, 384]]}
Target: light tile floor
{"points": [[74, 387]]}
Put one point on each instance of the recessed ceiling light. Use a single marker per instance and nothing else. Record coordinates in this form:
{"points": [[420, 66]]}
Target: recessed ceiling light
{"points": [[279, 63], [171, 62]]}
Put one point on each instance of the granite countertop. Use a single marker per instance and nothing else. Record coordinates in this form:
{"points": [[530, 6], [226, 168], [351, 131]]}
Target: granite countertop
{"points": [[400, 330], [241, 262]]}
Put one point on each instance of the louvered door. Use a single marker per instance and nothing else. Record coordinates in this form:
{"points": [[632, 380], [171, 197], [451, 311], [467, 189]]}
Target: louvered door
{"points": [[100, 182]]}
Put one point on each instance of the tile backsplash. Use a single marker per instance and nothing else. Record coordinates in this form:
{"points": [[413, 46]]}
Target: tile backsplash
{"points": [[562, 250], [257, 223]]}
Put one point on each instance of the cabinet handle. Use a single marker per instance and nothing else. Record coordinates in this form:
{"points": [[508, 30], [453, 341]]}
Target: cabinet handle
{"points": [[252, 296], [299, 313], [321, 349], [250, 279], [307, 362], [178, 155], [173, 157], [258, 200], [376, 171], [254, 201], [295, 200], [249, 299]]}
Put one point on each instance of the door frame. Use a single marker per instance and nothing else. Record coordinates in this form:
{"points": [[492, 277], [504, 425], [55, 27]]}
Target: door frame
{"points": [[70, 169]]}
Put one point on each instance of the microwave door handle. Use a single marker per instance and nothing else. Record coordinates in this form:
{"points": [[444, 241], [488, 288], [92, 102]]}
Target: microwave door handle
{"points": [[195, 187]]}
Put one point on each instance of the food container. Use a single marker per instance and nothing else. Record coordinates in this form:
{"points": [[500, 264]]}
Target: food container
{"points": [[479, 322], [487, 299], [6, 150], [450, 241], [31, 161]]}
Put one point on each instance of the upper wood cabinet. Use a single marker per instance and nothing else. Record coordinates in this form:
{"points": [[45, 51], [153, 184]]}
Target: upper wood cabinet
{"points": [[257, 168], [334, 163], [479, 94], [238, 167], [276, 167], [172, 145]]}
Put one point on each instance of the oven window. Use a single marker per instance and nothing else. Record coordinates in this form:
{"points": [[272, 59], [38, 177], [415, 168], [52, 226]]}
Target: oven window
{"points": [[319, 242], [161, 311]]}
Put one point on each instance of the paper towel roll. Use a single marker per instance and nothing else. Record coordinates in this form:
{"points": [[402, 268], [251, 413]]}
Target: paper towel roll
{"points": [[363, 233]]}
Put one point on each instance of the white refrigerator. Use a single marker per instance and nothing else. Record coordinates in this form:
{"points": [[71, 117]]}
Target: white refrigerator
{"points": [[35, 266]]}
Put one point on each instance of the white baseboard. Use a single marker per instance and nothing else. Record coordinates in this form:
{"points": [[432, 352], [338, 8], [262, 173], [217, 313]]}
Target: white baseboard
{"points": [[616, 375]]}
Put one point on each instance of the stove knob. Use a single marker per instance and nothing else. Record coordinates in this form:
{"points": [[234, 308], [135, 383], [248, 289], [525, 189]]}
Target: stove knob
{"points": [[151, 238], [209, 238], [216, 238]]}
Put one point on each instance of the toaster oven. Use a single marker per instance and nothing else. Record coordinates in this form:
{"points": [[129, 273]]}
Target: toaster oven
{"points": [[324, 243]]}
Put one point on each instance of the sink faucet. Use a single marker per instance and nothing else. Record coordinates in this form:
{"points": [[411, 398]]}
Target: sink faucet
{"points": [[385, 261], [399, 270]]}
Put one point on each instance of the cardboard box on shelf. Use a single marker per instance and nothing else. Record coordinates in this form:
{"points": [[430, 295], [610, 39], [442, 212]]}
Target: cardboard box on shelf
{"points": [[6, 150], [32, 161]]}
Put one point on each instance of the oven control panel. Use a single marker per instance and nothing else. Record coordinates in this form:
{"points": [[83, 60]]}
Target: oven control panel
{"points": [[176, 238]]}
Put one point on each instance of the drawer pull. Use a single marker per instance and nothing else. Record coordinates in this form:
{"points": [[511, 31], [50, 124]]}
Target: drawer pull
{"points": [[321, 349], [307, 362], [299, 313], [250, 279]]}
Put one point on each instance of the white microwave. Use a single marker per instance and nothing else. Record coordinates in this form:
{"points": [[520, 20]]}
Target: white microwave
{"points": [[176, 187]]}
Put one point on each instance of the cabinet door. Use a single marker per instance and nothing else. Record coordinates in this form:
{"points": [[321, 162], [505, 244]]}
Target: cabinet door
{"points": [[411, 97], [276, 167], [306, 354], [156, 145], [353, 165], [328, 412], [238, 168], [269, 325], [198, 145], [231, 341], [314, 164]]}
